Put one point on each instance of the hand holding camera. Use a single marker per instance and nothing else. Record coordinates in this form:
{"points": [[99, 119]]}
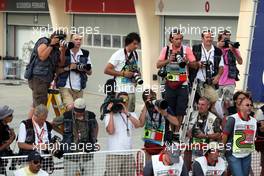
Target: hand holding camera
{"points": [[73, 66], [54, 41], [128, 74]]}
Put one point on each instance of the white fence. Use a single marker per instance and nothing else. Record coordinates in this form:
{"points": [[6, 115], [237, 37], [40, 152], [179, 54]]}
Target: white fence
{"points": [[101, 163]]}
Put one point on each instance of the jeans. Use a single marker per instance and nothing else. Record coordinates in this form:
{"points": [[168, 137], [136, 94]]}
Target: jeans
{"points": [[239, 166]]}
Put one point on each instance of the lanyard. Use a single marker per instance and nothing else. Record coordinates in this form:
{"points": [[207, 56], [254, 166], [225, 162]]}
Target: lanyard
{"points": [[39, 136], [126, 123], [206, 58], [75, 60]]}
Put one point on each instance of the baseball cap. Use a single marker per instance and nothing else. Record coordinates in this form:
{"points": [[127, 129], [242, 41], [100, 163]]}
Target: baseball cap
{"points": [[32, 156], [79, 105], [5, 111]]}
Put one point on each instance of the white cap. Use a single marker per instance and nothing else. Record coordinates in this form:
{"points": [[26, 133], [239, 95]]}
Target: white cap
{"points": [[79, 105]]}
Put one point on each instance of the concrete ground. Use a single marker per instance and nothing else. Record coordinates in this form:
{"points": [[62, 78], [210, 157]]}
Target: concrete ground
{"points": [[19, 98]]}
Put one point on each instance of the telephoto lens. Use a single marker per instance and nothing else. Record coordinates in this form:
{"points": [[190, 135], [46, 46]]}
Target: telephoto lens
{"points": [[162, 104], [138, 78], [66, 44]]}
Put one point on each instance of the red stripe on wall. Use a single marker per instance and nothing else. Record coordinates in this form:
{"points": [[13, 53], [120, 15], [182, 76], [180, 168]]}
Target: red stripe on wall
{"points": [[100, 6]]}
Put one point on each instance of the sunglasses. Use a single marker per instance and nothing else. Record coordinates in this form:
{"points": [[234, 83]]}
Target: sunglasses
{"points": [[249, 105], [36, 162]]}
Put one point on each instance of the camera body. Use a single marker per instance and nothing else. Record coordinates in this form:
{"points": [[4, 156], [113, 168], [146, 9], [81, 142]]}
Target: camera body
{"points": [[234, 44], [209, 78], [178, 60], [162, 72], [117, 104]]}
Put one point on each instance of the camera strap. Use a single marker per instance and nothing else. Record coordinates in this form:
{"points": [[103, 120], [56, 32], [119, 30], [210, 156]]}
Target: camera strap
{"points": [[126, 123], [206, 59], [152, 119]]}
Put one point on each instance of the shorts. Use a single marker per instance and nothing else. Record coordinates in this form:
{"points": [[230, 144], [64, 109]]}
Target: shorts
{"points": [[153, 149], [177, 99], [39, 91], [68, 96]]}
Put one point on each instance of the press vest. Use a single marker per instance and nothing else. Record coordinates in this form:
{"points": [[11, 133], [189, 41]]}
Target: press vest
{"points": [[45, 70], [154, 134], [175, 72], [30, 133], [62, 78], [197, 51], [209, 128], [68, 135], [216, 170], [160, 169], [243, 137]]}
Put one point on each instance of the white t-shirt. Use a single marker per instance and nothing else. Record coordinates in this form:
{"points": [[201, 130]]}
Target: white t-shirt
{"points": [[75, 77], [201, 74], [44, 138], [118, 60], [26, 172], [120, 140]]}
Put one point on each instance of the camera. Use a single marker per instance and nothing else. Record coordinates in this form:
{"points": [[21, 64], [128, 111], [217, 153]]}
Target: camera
{"points": [[117, 106], [138, 78], [234, 44], [162, 104], [66, 44], [63, 42], [162, 72], [209, 78], [83, 67], [55, 147], [180, 60]]}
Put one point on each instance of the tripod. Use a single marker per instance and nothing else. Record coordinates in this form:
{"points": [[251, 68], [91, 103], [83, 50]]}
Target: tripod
{"points": [[54, 100]]}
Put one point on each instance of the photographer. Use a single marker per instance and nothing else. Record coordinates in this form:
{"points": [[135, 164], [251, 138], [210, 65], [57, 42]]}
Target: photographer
{"points": [[7, 135], [119, 124], [35, 133], [239, 137], [210, 163], [156, 117], [206, 127], [123, 65], [168, 162], [80, 135], [231, 55], [173, 63], [72, 76], [209, 64], [47, 55]]}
